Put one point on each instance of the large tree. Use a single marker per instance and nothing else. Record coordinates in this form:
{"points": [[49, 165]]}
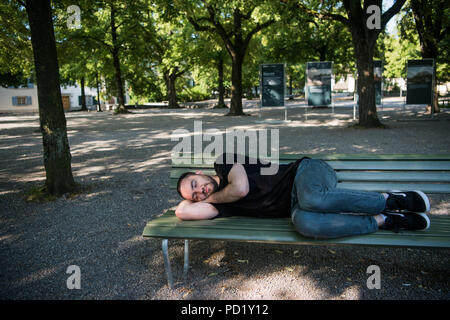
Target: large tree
{"points": [[103, 25], [359, 18], [57, 157], [306, 38], [235, 22], [210, 64], [432, 20], [165, 43]]}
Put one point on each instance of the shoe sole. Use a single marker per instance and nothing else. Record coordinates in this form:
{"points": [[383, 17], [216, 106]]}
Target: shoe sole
{"points": [[424, 198], [426, 218], [427, 206]]}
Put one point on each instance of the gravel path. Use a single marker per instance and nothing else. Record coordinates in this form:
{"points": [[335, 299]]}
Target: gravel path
{"points": [[125, 163]]}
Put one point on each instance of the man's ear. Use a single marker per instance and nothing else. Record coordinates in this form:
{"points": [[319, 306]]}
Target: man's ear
{"points": [[198, 172]]}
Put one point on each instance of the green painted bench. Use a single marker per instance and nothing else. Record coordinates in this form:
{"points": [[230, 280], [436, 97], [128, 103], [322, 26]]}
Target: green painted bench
{"points": [[429, 173]]}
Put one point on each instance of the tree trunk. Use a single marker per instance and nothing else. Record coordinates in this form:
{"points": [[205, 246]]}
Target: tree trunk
{"points": [[169, 79], [368, 117], [323, 52], [236, 44], [435, 96], [364, 43], [99, 108], [116, 63], [57, 157], [236, 86], [221, 102], [237, 58], [428, 30], [83, 96], [290, 87]]}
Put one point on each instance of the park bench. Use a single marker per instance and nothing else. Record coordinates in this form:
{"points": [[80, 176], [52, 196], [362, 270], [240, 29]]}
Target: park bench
{"points": [[444, 101], [429, 173]]}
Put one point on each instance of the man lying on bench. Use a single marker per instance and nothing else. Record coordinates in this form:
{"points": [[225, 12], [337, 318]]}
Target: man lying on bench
{"points": [[304, 190]]}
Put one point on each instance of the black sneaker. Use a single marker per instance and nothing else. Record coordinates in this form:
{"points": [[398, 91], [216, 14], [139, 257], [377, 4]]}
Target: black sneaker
{"points": [[406, 221], [413, 201]]}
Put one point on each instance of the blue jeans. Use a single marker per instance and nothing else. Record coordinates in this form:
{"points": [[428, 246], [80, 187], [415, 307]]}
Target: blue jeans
{"points": [[319, 208]]}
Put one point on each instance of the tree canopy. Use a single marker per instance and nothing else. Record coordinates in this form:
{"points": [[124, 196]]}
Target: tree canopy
{"points": [[162, 50]]}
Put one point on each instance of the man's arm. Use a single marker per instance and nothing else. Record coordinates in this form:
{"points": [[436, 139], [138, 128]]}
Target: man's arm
{"points": [[236, 189], [188, 210]]}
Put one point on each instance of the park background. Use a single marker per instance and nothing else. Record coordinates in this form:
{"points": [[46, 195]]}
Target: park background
{"points": [[167, 57]]}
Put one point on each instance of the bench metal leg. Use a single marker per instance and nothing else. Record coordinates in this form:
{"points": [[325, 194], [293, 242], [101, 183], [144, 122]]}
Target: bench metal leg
{"points": [[186, 258], [165, 250]]}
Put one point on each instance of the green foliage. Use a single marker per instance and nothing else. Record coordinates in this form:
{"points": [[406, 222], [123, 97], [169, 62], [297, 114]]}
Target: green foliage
{"points": [[194, 94], [16, 55], [8, 79], [427, 22], [39, 193], [398, 52], [156, 39]]}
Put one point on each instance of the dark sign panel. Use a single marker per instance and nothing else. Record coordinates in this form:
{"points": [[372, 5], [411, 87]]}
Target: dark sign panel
{"points": [[419, 87], [318, 83], [272, 85]]}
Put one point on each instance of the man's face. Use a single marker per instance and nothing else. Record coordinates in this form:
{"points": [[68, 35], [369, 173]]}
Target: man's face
{"points": [[198, 187]]}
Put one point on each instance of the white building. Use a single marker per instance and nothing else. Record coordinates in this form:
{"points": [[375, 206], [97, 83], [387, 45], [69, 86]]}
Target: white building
{"points": [[25, 98], [345, 83]]}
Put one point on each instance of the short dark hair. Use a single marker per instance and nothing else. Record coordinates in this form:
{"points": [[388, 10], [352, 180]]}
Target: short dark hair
{"points": [[184, 175]]}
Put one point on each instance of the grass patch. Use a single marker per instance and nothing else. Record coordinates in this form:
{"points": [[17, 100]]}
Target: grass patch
{"points": [[39, 193]]}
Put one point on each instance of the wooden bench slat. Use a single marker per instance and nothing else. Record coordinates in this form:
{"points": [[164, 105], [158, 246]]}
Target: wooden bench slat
{"points": [[169, 217], [434, 176], [391, 165], [379, 157], [440, 226], [394, 176], [380, 187], [230, 229], [296, 238], [356, 165], [361, 165], [384, 187]]}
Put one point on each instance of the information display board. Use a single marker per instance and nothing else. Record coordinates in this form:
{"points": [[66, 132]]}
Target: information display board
{"points": [[318, 83], [272, 85], [419, 86]]}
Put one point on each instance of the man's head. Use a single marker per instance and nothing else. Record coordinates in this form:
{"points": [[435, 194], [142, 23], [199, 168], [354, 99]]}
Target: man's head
{"points": [[196, 186]]}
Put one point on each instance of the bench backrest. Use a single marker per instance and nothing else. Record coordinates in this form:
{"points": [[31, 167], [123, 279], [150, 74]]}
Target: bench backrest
{"points": [[370, 172]]}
